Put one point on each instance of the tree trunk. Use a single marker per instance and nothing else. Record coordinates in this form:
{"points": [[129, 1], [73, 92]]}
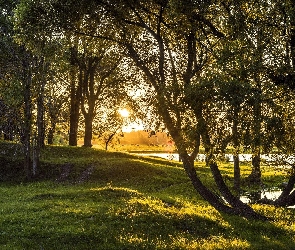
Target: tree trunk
{"points": [[27, 82], [35, 155], [88, 99], [53, 114], [237, 172], [88, 130], [109, 139], [238, 207], [39, 137], [74, 110], [213, 199], [285, 199], [40, 123], [242, 208], [40, 108], [50, 135], [255, 176], [292, 37]]}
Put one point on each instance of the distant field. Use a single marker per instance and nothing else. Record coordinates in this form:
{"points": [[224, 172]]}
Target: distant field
{"points": [[92, 199]]}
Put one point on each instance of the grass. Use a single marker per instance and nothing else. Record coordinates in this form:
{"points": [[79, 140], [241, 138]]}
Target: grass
{"points": [[126, 202]]}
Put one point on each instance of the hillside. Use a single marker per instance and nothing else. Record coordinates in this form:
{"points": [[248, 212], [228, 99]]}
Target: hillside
{"points": [[92, 199]]}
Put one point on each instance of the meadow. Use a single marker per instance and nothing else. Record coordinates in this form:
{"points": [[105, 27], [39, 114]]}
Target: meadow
{"points": [[92, 199]]}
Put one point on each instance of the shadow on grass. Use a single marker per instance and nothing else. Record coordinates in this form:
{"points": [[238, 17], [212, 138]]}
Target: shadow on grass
{"points": [[260, 234], [105, 218], [48, 216]]}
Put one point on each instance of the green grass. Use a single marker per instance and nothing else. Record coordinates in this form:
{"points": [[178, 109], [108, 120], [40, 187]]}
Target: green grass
{"points": [[127, 202]]}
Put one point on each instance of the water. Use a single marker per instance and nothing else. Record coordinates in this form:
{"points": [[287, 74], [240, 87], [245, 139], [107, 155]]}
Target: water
{"points": [[168, 156], [229, 157], [252, 197]]}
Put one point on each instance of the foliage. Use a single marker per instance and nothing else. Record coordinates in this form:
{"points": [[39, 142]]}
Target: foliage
{"points": [[212, 80]]}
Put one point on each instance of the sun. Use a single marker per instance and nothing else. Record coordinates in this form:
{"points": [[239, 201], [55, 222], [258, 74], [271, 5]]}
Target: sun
{"points": [[124, 112]]}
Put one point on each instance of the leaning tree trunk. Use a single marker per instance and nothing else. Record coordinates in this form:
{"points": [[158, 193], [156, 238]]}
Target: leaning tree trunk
{"points": [[237, 207], [212, 198], [109, 139], [241, 208], [287, 197]]}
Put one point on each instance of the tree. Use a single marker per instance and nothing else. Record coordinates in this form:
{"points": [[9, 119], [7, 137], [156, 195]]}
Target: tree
{"points": [[163, 50], [24, 77], [56, 101], [172, 51], [98, 76], [93, 69], [110, 126], [17, 74], [175, 46]]}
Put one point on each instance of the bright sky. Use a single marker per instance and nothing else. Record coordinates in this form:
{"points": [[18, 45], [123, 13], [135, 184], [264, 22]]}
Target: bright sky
{"points": [[132, 126]]}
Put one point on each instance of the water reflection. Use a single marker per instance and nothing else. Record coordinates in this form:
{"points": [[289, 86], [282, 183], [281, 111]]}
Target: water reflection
{"points": [[255, 196]]}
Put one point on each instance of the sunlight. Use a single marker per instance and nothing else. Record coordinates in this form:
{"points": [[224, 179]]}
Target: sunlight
{"points": [[124, 112]]}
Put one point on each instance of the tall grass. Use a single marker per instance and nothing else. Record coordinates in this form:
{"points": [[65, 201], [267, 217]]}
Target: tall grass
{"points": [[127, 202]]}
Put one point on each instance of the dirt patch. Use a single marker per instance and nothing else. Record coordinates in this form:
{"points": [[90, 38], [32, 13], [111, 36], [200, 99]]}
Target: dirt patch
{"points": [[85, 175], [65, 173]]}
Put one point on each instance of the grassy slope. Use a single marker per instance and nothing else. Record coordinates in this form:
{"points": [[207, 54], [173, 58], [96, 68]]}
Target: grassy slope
{"points": [[90, 199]]}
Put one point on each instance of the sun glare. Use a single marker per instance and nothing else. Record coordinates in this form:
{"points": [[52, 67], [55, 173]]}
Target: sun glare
{"points": [[124, 112]]}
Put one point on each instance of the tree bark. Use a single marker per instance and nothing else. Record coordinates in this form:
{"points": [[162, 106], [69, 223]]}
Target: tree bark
{"points": [[50, 135], [237, 206], [89, 98], [88, 130], [39, 137], [237, 172], [286, 198], [74, 109], [27, 127], [109, 139], [241, 208]]}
